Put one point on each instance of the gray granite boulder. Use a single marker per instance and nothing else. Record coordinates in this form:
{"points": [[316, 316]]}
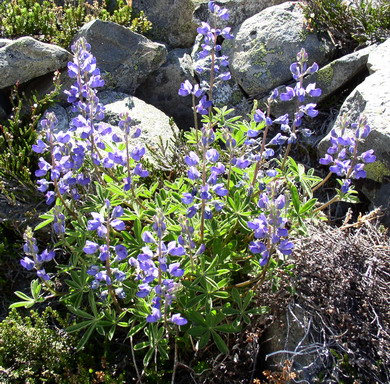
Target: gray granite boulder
{"points": [[175, 21], [26, 58], [172, 20], [239, 11], [126, 58], [267, 43], [161, 87]]}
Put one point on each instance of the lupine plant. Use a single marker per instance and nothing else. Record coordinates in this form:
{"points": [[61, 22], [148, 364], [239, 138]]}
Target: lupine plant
{"points": [[162, 258]]}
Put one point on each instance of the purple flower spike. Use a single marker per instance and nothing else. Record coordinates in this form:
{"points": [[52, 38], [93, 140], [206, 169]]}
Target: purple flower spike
{"points": [[178, 319], [117, 212], [345, 186], [147, 237]]}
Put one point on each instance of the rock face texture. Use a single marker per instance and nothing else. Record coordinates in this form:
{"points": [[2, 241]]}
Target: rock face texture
{"points": [[161, 87], [239, 10], [26, 58], [171, 19], [127, 57], [267, 42]]}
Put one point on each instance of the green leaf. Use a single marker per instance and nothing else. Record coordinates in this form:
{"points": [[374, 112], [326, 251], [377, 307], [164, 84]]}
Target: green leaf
{"points": [[307, 206], [86, 336], [148, 357], [136, 329], [25, 304], [220, 343], [295, 197], [197, 331], [23, 296], [44, 223], [79, 326], [142, 345]]}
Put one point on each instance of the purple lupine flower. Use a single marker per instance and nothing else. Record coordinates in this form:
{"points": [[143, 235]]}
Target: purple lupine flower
{"points": [[174, 250], [193, 173], [368, 156], [191, 159], [178, 319], [137, 153], [27, 263], [42, 274], [288, 95], [358, 171], [121, 252], [187, 198], [138, 170], [346, 185], [118, 225], [327, 159], [286, 247], [147, 237], [175, 270], [90, 247], [212, 155], [203, 106], [47, 256], [220, 190], [155, 316], [257, 247], [39, 147]]}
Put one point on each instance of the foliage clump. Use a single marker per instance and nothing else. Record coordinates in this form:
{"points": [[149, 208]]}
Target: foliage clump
{"points": [[350, 23], [30, 349], [51, 23]]}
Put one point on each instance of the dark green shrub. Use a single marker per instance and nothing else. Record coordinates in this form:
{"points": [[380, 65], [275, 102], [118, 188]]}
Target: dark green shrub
{"points": [[35, 349], [51, 23], [31, 351], [350, 23], [17, 135]]}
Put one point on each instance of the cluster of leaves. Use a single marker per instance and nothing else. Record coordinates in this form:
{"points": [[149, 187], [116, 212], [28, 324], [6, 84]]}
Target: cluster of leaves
{"points": [[17, 136], [351, 23], [30, 349], [51, 23], [35, 349]]}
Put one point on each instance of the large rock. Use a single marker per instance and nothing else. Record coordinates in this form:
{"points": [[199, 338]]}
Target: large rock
{"points": [[372, 99], [175, 22], [330, 79], [161, 87], [26, 58], [126, 57], [171, 19], [267, 43]]}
